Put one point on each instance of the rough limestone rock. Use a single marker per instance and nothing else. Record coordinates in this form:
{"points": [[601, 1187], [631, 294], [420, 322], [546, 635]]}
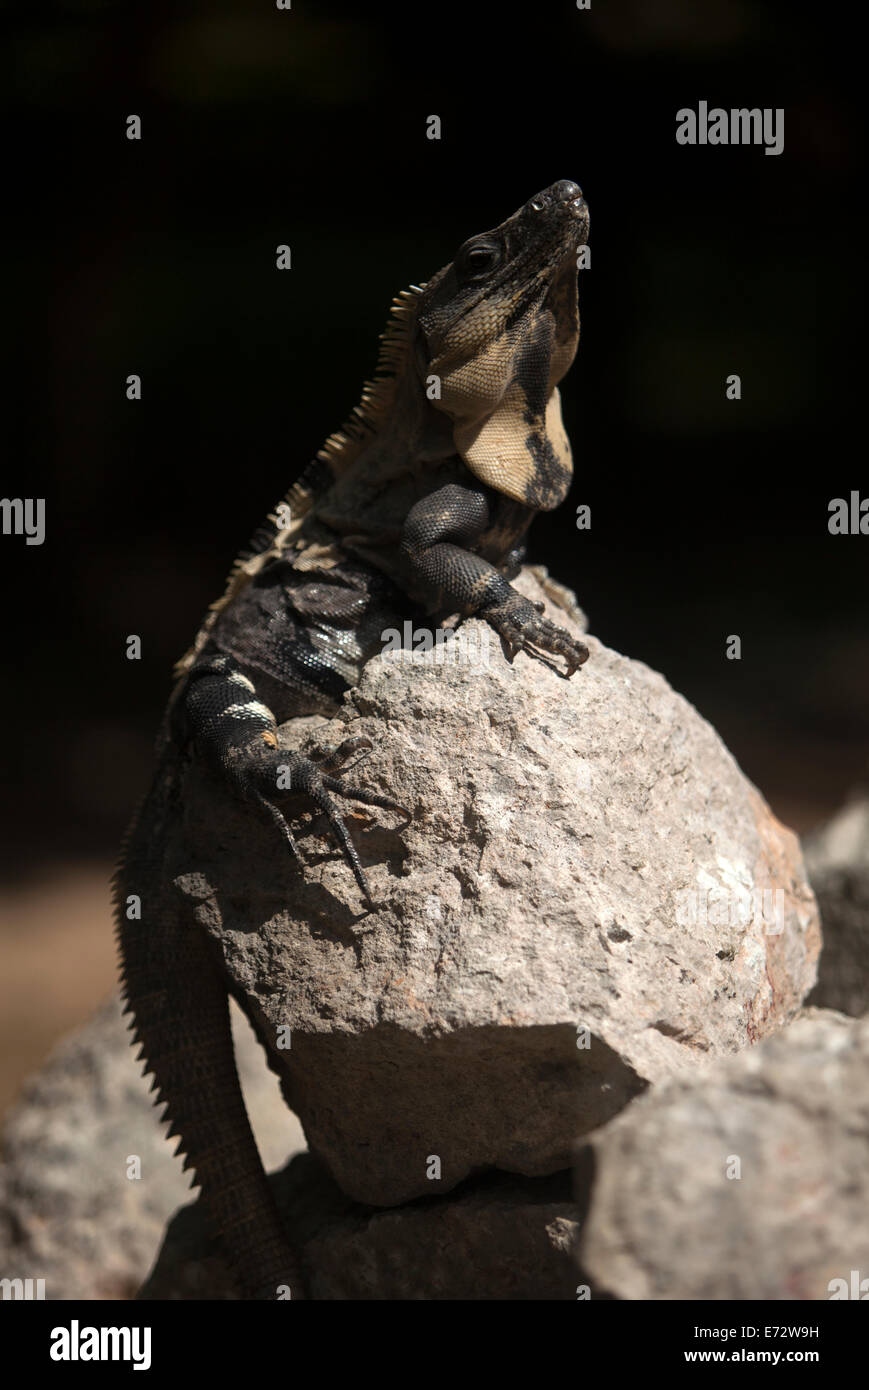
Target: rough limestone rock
{"points": [[666, 1221], [499, 1238], [837, 860], [582, 855], [69, 1213]]}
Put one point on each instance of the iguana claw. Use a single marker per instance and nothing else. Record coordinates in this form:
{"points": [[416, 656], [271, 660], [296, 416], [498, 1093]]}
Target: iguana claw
{"points": [[518, 621], [297, 773]]}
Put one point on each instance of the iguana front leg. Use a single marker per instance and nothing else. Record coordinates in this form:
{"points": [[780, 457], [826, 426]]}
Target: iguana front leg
{"points": [[437, 542]]}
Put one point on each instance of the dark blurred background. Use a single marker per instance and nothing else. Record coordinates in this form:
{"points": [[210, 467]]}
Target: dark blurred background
{"points": [[308, 127]]}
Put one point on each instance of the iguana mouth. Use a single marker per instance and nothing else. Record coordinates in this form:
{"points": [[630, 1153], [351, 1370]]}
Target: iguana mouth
{"points": [[558, 214]]}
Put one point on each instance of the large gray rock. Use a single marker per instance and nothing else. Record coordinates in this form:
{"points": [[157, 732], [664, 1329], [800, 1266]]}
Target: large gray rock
{"points": [[748, 1180], [837, 860], [499, 1238], [583, 855], [69, 1212]]}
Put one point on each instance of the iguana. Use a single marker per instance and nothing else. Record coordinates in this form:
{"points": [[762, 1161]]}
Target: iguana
{"points": [[420, 503]]}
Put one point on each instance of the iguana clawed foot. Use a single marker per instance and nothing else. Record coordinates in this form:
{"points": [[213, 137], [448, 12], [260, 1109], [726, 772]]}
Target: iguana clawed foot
{"points": [[519, 623], [295, 772]]}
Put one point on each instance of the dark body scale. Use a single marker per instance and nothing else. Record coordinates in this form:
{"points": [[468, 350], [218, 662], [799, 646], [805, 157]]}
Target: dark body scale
{"points": [[303, 636]]}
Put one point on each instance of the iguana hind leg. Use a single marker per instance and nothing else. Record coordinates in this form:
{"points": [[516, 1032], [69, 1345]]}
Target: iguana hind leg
{"points": [[237, 734]]}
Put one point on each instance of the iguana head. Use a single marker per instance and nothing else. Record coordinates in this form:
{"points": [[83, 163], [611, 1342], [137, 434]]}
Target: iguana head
{"points": [[499, 328]]}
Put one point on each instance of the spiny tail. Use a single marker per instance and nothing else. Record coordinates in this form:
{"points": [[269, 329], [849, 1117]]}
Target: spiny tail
{"points": [[180, 1019]]}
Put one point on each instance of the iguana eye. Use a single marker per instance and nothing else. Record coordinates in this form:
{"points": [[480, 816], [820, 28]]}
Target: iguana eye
{"points": [[479, 258]]}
